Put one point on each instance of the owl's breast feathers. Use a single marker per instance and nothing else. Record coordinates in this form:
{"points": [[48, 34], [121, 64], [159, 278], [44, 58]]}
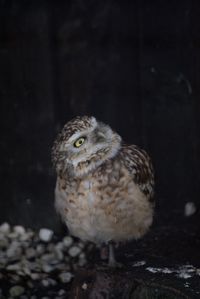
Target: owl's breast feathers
{"points": [[140, 168], [112, 202]]}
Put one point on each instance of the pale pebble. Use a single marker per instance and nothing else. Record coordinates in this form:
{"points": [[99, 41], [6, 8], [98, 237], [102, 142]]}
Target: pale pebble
{"points": [[190, 209], [67, 241], [65, 277], [20, 230], [5, 228], [74, 251], [45, 234]]}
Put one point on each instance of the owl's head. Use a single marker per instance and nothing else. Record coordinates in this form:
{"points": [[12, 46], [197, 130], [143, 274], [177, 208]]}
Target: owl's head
{"points": [[84, 144]]}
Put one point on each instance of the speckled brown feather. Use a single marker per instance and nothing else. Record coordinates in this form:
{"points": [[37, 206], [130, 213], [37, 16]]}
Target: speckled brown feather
{"points": [[140, 167]]}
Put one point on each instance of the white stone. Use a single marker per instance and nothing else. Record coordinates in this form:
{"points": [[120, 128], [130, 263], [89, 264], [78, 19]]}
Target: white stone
{"points": [[61, 292], [47, 268], [167, 271], [5, 228], [25, 239], [26, 271], [45, 234], [48, 257], [190, 209], [184, 275], [14, 252], [58, 253], [45, 282], [65, 277], [3, 243], [35, 276], [20, 230], [84, 286], [67, 241], [13, 267], [59, 246], [139, 264], [13, 235], [74, 251]]}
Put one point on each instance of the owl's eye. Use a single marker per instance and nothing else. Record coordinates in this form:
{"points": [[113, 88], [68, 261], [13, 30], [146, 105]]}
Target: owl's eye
{"points": [[79, 141]]}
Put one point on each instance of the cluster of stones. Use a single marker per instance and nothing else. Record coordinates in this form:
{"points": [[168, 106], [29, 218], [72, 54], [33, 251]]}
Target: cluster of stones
{"points": [[38, 259]]}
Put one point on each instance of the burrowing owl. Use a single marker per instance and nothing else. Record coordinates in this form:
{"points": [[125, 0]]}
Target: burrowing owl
{"points": [[104, 189]]}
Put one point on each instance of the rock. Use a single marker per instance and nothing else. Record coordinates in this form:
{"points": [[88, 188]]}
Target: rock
{"points": [[61, 292], [47, 257], [14, 251], [59, 246], [5, 228], [52, 282], [139, 264], [45, 282], [20, 230], [82, 262], [14, 267], [65, 277], [4, 243], [190, 209], [35, 276], [67, 241], [47, 268], [16, 291], [58, 253], [40, 249], [84, 286], [74, 251], [45, 234]]}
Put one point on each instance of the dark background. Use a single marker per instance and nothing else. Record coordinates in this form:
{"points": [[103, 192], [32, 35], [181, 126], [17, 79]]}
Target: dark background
{"points": [[133, 64]]}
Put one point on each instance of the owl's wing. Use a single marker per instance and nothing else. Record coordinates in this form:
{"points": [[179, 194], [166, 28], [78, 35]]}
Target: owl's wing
{"points": [[140, 167]]}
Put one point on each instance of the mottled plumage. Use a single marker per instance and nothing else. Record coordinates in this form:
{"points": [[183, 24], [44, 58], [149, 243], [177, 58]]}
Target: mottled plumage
{"points": [[104, 189]]}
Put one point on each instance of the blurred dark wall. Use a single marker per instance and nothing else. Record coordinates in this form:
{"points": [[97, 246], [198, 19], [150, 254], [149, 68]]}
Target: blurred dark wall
{"points": [[132, 64]]}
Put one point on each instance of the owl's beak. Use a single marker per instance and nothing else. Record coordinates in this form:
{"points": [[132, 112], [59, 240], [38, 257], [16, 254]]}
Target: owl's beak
{"points": [[100, 137]]}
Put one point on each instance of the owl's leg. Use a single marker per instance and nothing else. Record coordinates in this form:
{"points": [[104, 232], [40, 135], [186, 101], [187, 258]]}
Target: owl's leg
{"points": [[104, 252], [111, 257]]}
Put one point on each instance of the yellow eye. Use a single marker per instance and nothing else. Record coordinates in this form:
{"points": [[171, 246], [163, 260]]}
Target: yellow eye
{"points": [[79, 142]]}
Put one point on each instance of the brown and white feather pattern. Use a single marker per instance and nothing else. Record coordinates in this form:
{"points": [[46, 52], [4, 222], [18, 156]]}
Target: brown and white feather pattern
{"points": [[140, 167]]}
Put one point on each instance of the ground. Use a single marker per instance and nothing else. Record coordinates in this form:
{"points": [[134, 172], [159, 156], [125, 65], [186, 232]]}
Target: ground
{"points": [[165, 262]]}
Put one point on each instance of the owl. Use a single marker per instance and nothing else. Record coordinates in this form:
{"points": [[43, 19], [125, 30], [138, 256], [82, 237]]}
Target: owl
{"points": [[104, 189]]}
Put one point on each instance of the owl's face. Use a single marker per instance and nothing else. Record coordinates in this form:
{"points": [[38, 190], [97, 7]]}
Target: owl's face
{"points": [[83, 145]]}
